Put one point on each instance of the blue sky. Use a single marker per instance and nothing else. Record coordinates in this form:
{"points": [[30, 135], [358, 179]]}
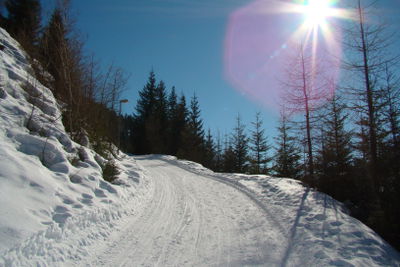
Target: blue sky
{"points": [[183, 41]]}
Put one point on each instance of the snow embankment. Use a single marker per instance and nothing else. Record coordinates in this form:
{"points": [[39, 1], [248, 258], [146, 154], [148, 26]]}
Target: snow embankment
{"points": [[318, 229], [54, 203]]}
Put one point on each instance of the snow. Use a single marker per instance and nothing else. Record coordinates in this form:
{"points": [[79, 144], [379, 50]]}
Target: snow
{"points": [[56, 210], [51, 211]]}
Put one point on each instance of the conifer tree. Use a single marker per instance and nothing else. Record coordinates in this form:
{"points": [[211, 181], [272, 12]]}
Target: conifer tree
{"points": [[218, 154], [334, 160], [156, 123], [287, 156], [209, 151], [229, 159], [369, 47], [193, 136], [2, 16], [195, 122], [144, 109], [179, 125], [172, 104], [240, 149], [23, 22], [172, 117], [147, 98], [258, 147], [61, 54]]}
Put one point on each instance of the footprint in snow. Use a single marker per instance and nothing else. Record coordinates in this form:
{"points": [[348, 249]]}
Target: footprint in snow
{"points": [[99, 193]]}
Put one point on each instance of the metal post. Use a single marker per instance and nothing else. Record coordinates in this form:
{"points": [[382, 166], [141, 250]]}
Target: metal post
{"points": [[122, 101]]}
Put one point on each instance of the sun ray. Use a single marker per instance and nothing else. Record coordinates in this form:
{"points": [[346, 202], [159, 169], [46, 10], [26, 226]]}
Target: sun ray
{"points": [[263, 34]]}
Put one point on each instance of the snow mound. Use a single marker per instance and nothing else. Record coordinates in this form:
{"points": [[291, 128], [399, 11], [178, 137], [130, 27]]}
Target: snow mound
{"points": [[54, 203]]}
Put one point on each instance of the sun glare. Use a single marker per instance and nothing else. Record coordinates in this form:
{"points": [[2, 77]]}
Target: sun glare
{"points": [[316, 12], [262, 36]]}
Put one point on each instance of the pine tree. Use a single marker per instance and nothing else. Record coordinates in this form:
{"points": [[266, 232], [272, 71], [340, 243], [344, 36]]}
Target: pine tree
{"points": [[179, 126], [172, 104], [61, 55], [2, 16], [210, 151], [240, 149], [172, 117], [54, 51], [259, 147], [335, 158], [229, 159], [156, 123], [23, 22], [218, 154], [287, 156], [144, 109], [390, 113], [147, 98], [195, 122], [369, 47], [193, 135]]}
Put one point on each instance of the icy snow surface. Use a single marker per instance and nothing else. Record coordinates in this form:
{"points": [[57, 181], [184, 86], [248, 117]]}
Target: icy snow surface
{"points": [[164, 212]]}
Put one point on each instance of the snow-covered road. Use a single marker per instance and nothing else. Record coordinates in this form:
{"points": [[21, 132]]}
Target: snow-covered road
{"points": [[192, 220]]}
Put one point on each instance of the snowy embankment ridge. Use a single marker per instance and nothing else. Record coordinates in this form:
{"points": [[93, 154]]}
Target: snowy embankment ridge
{"points": [[54, 203], [56, 209]]}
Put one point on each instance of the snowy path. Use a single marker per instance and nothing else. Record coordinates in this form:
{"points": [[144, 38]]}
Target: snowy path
{"points": [[193, 220]]}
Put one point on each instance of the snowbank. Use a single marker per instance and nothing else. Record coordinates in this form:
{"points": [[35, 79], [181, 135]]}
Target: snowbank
{"points": [[319, 229], [54, 203]]}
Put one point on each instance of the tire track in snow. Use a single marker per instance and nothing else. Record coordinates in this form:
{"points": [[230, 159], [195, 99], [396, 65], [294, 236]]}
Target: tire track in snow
{"points": [[237, 186]]}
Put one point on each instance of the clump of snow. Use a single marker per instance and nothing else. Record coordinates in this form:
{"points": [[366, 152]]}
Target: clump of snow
{"points": [[54, 203]]}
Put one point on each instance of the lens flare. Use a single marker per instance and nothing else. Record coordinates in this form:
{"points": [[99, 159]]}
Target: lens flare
{"points": [[261, 35], [316, 12]]}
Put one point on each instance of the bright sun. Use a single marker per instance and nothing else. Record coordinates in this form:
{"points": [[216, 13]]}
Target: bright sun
{"points": [[316, 12]]}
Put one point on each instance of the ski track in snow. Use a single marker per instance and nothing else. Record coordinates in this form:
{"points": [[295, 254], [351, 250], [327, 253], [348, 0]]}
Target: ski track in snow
{"points": [[193, 221]]}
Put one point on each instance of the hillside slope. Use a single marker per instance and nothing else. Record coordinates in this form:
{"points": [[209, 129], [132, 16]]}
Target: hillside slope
{"points": [[54, 202]]}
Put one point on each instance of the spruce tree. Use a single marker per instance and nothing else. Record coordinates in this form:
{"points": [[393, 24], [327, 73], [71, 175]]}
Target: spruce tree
{"points": [[147, 98], [156, 123], [209, 151], [218, 154], [228, 157], [193, 135], [287, 155], [61, 55], [144, 109], [195, 122], [335, 157], [240, 148], [179, 126], [172, 118], [23, 22], [258, 147]]}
